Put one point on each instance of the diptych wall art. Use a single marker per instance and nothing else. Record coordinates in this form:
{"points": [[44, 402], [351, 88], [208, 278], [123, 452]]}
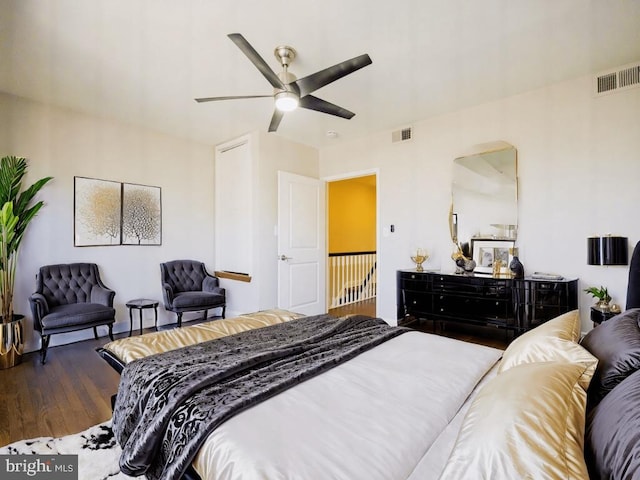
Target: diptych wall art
{"points": [[115, 213]]}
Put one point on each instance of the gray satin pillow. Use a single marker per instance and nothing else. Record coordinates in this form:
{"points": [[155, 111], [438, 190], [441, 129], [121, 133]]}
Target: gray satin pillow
{"points": [[616, 344], [612, 440]]}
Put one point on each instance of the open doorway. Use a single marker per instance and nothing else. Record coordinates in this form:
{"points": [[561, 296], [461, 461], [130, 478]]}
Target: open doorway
{"points": [[352, 245]]}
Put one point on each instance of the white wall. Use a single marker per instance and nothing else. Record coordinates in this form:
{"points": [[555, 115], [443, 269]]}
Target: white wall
{"points": [[579, 168], [64, 144], [276, 154], [270, 154]]}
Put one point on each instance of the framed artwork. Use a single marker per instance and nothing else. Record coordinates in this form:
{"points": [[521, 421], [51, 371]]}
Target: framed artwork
{"points": [[97, 212], [115, 213], [486, 251], [141, 215]]}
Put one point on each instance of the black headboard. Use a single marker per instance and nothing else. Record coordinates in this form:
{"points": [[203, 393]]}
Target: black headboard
{"points": [[633, 287]]}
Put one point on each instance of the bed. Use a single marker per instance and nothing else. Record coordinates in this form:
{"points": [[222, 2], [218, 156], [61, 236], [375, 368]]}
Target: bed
{"points": [[418, 406], [324, 424]]}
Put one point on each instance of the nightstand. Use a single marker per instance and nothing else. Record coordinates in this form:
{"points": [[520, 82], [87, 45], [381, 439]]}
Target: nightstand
{"points": [[598, 316]]}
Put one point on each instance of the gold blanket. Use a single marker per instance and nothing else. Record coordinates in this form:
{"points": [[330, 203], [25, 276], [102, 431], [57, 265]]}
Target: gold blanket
{"points": [[132, 348]]}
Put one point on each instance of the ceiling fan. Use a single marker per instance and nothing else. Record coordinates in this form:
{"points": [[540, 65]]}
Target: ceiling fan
{"points": [[289, 92]]}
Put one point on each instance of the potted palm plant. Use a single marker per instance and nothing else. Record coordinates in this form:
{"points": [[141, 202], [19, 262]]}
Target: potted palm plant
{"points": [[16, 211]]}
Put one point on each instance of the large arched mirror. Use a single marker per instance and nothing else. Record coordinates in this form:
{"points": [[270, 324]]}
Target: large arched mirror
{"points": [[485, 193]]}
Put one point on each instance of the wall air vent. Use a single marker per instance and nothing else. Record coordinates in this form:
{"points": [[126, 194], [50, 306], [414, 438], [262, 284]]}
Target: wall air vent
{"points": [[402, 135], [622, 78]]}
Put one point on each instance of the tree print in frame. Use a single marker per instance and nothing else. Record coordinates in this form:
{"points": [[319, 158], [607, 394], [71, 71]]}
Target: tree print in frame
{"points": [[97, 212], [141, 215]]}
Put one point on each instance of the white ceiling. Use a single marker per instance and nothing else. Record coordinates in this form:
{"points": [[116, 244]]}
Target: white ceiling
{"points": [[144, 61]]}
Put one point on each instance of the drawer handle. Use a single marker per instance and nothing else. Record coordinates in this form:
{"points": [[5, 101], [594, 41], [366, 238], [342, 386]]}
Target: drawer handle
{"points": [[413, 276], [414, 302]]}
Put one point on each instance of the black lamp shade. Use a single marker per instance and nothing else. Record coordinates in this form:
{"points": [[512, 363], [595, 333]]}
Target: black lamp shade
{"points": [[593, 251], [607, 250], [615, 251]]}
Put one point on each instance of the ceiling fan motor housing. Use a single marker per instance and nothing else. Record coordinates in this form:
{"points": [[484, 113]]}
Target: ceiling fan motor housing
{"points": [[287, 99], [289, 82]]}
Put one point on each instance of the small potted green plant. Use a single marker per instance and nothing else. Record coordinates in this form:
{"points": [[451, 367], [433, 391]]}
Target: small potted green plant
{"points": [[602, 295]]}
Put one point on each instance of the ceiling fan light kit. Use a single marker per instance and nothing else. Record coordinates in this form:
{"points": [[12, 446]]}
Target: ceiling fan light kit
{"points": [[290, 93], [286, 101]]}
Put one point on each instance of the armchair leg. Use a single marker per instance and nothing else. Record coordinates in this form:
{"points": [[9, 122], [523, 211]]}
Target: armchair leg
{"points": [[224, 307], [179, 319], [204, 317], [43, 348], [95, 332], [111, 331]]}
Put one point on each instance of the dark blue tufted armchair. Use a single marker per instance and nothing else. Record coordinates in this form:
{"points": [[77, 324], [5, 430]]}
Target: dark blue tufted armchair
{"points": [[70, 297], [188, 287]]}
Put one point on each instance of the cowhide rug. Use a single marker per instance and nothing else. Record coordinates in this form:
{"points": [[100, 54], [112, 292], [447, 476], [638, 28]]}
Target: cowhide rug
{"points": [[97, 451]]}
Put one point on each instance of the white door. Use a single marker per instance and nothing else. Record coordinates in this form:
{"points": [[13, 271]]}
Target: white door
{"points": [[301, 244]]}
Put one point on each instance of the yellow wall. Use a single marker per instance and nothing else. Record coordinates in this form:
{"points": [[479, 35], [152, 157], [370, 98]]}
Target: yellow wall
{"points": [[352, 215]]}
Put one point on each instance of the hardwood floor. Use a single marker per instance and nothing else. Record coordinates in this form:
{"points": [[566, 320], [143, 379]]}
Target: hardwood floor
{"points": [[366, 307], [72, 391], [69, 393]]}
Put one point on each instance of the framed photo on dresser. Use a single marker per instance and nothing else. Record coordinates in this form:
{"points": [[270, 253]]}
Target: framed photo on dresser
{"points": [[486, 251]]}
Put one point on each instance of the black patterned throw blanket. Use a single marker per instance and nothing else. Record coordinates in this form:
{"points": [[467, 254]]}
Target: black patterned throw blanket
{"points": [[169, 403]]}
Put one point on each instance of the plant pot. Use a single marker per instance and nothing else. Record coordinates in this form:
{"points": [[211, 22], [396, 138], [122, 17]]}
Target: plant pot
{"points": [[11, 342], [603, 305]]}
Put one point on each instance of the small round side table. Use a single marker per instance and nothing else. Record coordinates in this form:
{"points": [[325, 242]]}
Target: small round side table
{"points": [[140, 304]]}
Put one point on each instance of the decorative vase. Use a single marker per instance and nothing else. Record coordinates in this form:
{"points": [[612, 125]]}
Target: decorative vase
{"points": [[469, 265], [419, 258], [516, 267], [11, 342]]}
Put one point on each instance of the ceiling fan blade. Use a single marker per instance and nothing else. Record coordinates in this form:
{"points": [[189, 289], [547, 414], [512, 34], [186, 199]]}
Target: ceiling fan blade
{"points": [[275, 120], [324, 77], [319, 105], [256, 59], [236, 97]]}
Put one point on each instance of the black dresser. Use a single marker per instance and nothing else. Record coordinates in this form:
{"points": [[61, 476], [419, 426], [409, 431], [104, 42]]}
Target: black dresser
{"points": [[506, 303]]}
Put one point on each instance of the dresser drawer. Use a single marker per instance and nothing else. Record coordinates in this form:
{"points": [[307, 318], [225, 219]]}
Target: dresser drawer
{"points": [[549, 293], [417, 302], [472, 286], [415, 285], [472, 308]]}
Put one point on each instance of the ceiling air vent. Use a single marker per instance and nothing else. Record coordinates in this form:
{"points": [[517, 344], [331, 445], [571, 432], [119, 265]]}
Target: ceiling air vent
{"points": [[622, 78], [402, 135]]}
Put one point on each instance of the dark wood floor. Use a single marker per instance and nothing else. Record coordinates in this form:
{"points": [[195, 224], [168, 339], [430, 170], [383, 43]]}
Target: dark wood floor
{"points": [[72, 391], [69, 393], [366, 307]]}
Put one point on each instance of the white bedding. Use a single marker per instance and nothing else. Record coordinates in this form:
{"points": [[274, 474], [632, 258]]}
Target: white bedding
{"points": [[374, 417]]}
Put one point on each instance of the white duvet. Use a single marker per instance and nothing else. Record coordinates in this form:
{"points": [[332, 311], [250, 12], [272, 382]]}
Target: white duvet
{"points": [[375, 417]]}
